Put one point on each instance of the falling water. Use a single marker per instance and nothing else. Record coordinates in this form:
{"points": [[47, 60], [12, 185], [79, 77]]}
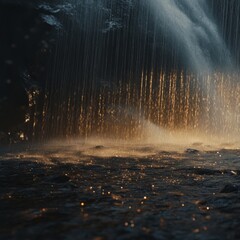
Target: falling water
{"points": [[189, 24], [121, 67]]}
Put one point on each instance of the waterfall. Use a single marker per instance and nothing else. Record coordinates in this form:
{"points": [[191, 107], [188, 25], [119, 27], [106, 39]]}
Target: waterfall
{"points": [[190, 25], [122, 66]]}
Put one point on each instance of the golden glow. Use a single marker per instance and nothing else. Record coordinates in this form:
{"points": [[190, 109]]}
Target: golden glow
{"points": [[177, 101]]}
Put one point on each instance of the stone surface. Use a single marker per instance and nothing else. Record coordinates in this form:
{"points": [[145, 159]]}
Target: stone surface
{"points": [[59, 193]]}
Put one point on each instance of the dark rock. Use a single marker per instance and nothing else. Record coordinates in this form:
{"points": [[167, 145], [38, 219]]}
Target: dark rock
{"points": [[229, 188], [206, 171], [23, 29], [61, 179], [191, 151]]}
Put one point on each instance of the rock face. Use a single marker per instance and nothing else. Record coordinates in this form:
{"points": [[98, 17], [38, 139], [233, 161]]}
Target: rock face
{"points": [[24, 45]]}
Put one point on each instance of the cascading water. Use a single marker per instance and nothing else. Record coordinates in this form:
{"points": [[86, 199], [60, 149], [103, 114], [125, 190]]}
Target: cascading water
{"points": [[192, 27], [189, 24], [121, 66]]}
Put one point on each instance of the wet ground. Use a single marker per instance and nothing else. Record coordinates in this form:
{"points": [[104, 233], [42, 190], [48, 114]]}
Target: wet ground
{"points": [[135, 192]]}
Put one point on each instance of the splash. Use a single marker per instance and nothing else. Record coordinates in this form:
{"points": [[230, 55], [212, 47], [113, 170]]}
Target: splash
{"points": [[169, 104]]}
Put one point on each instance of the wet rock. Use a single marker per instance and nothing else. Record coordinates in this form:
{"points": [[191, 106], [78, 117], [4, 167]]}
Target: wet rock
{"points": [[192, 151], [52, 21], [60, 179], [206, 171], [229, 188], [112, 204]]}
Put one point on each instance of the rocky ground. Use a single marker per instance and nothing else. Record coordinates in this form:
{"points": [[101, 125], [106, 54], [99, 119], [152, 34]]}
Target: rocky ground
{"points": [[134, 192]]}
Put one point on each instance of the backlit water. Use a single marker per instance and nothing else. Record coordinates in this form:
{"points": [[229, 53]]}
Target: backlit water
{"points": [[141, 105], [120, 66]]}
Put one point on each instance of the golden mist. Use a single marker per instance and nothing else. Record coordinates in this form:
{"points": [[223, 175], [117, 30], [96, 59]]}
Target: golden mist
{"points": [[175, 101]]}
